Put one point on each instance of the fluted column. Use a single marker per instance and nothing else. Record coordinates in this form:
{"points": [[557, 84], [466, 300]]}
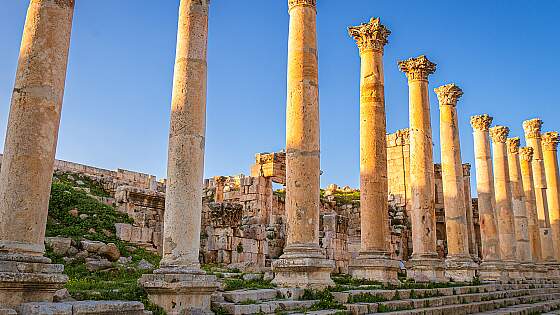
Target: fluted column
{"points": [[303, 263], [459, 264], [504, 206], [426, 266], [29, 152], [473, 248], [523, 250], [180, 267], [550, 158], [374, 261], [491, 266], [526, 158], [533, 139]]}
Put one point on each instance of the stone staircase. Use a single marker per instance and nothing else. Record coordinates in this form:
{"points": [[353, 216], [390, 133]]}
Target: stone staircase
{"points": [[483, 299]]}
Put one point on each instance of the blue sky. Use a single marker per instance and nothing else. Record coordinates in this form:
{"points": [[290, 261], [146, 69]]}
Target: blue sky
{"points": [[118, 91]]}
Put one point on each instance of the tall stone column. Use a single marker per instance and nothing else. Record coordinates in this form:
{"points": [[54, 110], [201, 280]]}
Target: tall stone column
{"points": [[374, 261], [29, 152], [180, 284], [303, 264], [533, 139], [550, 158], [426, 266], [473, 247], [459, 265], [504, 206], [491, 266], [521, 222], [526, 158]]}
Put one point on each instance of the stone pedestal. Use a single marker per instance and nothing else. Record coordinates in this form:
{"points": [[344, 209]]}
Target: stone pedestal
{"points": [[29, 151], [180, 293], [303, 263], [491, 267], [425, 264], [532, 130], [459, 265], [374, 261], [180, 286]]}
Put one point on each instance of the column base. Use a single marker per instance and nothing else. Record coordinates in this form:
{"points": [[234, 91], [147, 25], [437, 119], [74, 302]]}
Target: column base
{"points": [[303, 266], [427, 269], [492, 271], [513, 271], [181, 292], [373, 267], [460, 268], [25, 279]]}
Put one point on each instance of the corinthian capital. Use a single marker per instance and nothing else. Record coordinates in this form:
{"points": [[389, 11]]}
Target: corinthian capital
{"points": [[499, 134], [448, 94], [526, 154], [418, 68], [550, 141], [513, 145], [532, 128], [403, 136], [307, 3], [481, 122], [370, 36]]}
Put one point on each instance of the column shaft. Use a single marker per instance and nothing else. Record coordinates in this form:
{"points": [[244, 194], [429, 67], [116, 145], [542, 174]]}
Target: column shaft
{"points": [[473, 248], [550, 158], [533, 139], [30, 146], [502, 191], [485, 188], [185, 166], [526, 157], [521, 222]]}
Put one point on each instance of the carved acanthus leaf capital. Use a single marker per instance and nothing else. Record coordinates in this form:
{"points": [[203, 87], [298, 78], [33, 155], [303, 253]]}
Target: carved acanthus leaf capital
{"points": [[481, 122], [307, 3], [513, 145], [499, 134], [418, 68], [448, 94], [526, 154], [467, 170], [370, 36], [550, 141], [532, 128]]}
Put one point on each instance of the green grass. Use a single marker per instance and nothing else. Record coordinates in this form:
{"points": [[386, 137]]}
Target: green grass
{"points": [[117, 283], [248, 302], [240, 284], [366, 298], [325, 299]]}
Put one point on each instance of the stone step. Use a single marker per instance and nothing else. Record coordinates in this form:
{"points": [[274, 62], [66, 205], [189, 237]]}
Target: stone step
{"points": [[525, 309], [485, 307], [264, 307], [240, 296]]}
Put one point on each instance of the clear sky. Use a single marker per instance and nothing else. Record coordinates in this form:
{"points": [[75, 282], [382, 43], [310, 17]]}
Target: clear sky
{"points": [[118, 92]]}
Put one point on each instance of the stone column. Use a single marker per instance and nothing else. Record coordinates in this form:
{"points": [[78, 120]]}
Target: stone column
{"points": [[473, 248], [459, 265], [521, 222], [374, 261], [526, 158], [426, 266], [504, 206], [303, 263], [533, 139], [29, 152], [550, 157], [491, 266], [180, 284]]}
